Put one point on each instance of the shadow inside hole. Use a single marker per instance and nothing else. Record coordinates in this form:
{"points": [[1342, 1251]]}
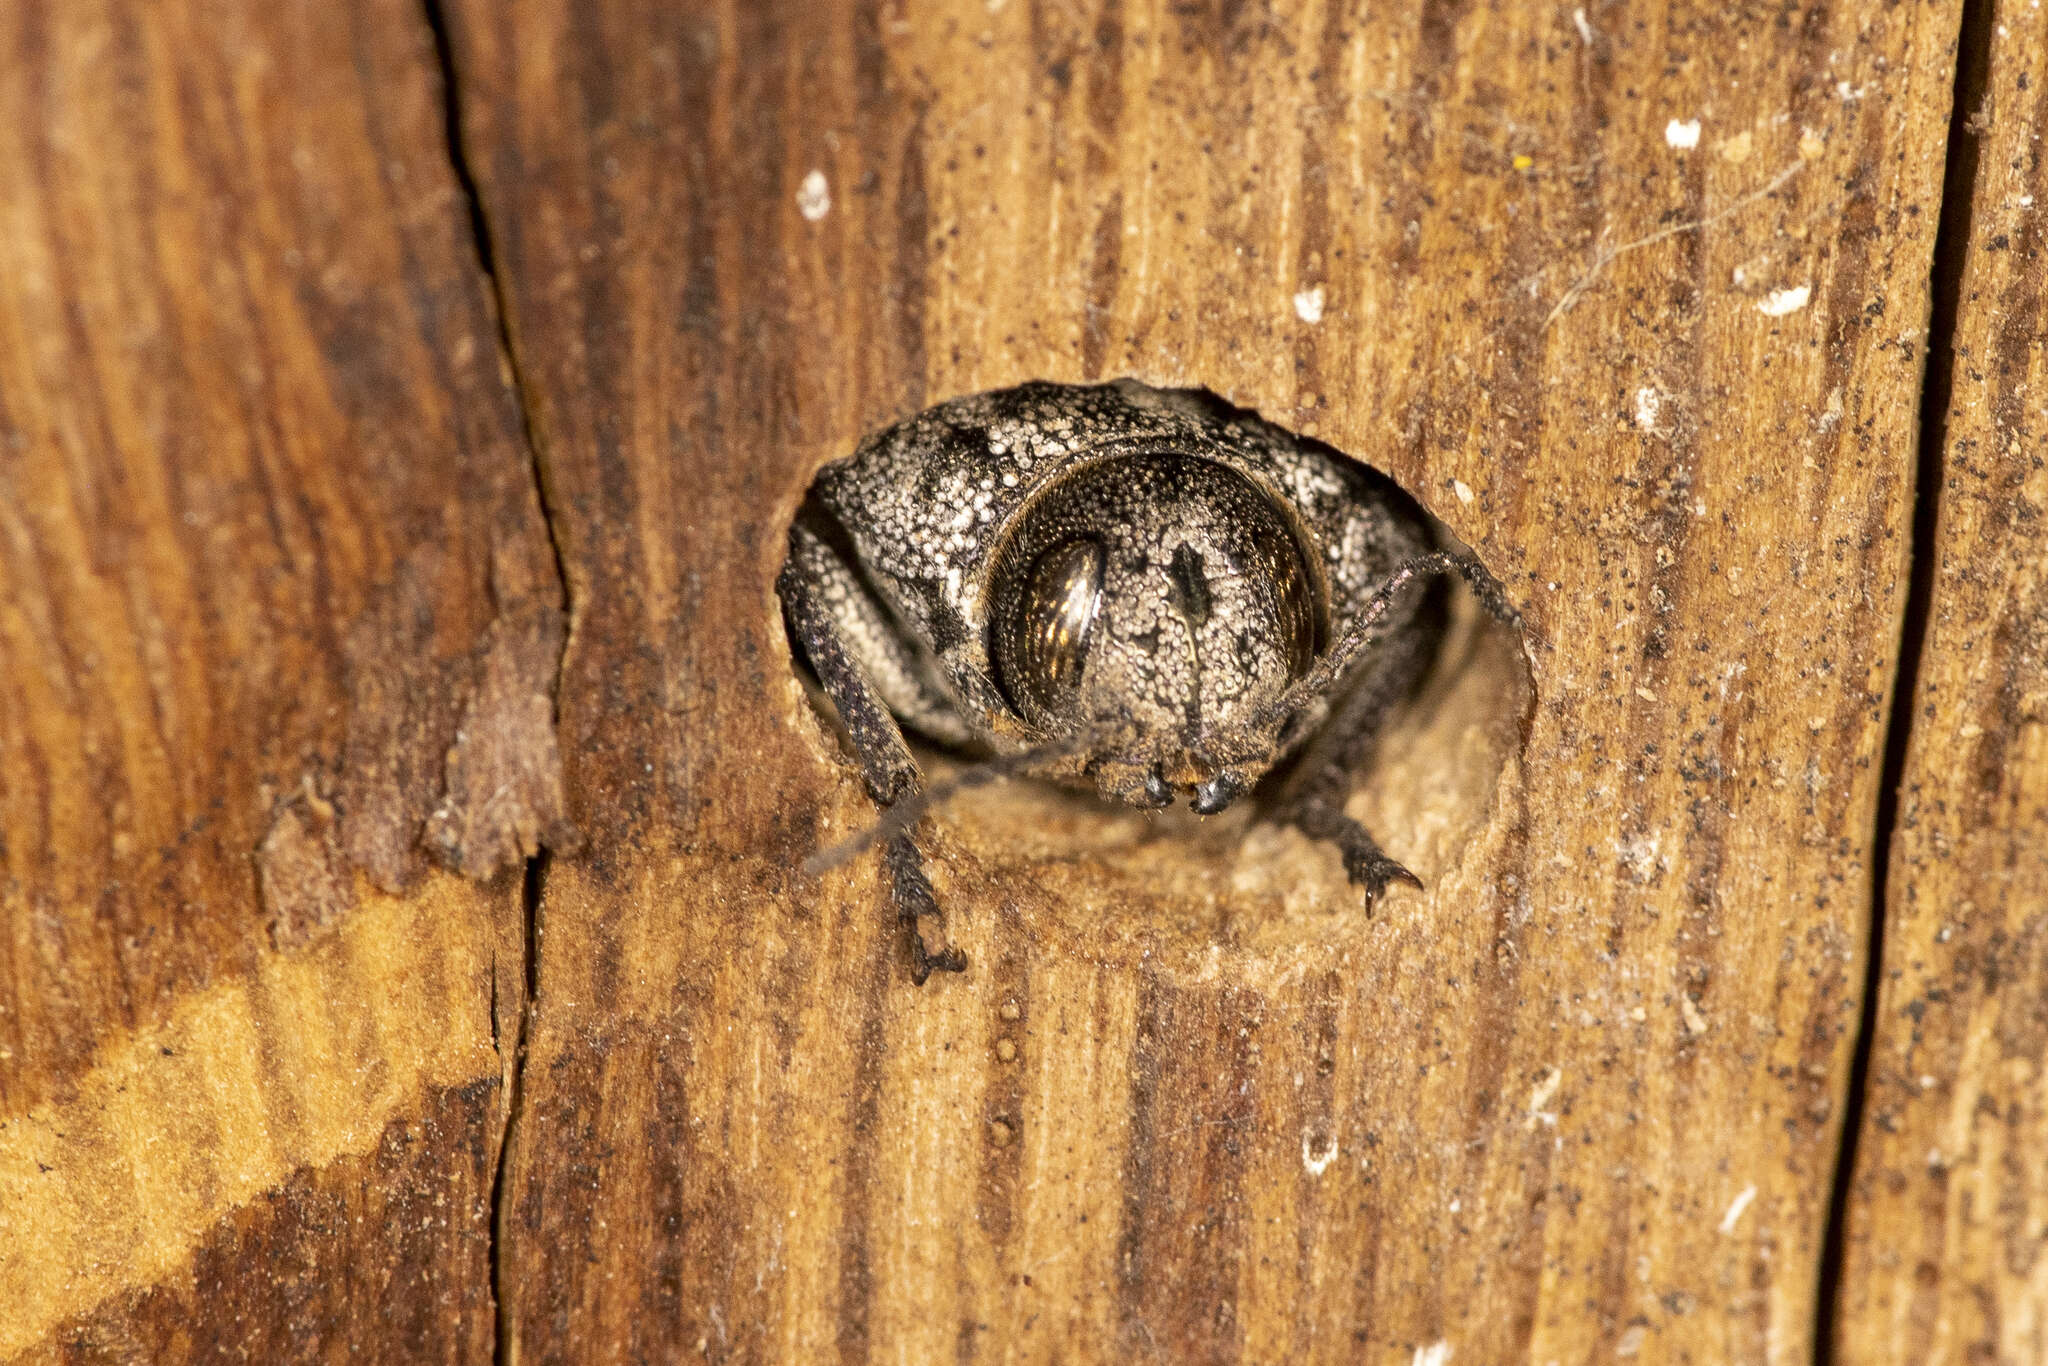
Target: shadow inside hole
{"points": [[1177, 889]]}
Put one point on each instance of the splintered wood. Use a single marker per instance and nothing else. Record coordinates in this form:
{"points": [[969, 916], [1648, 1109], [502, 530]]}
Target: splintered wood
{"points": [[276, 597]]}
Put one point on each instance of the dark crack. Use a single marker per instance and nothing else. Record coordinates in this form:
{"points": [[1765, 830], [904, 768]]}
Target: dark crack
{"points": [[1951, 251], [487, 262], [504, 1346]]}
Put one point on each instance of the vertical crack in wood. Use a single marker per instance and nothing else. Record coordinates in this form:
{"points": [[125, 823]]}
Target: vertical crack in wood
{"points": [[487, 262], [1951, 251], [504, 1347], [504, 1341]]}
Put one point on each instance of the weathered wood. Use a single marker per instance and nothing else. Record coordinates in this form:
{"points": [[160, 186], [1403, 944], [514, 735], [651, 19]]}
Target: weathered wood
{"points": [[1948, 1220], [279, 623], [1633, 297]]}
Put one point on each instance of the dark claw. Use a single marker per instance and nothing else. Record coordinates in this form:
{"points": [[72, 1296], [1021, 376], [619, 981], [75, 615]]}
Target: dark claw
{"points": [[1157, 793], [919, 912], [1366, 865], [923, 964], [1373, 871]]}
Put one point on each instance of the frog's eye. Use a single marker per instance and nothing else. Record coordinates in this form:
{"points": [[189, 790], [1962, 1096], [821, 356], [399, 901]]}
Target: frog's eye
{"points": [[1043, 645]]}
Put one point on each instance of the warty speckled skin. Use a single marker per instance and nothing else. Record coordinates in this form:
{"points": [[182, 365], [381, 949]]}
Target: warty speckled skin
{"points": [[1193, 562]]}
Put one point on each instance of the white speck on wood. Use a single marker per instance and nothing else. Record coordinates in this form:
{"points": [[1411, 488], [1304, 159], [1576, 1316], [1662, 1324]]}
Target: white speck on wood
{"points": [[1684, 136], [1831, 415], [1736, 1208], [1632, 1341], [1648, 404], [1695, 1022], [1308, 305], [1436, 1354], [814, 197], [1539, 1096], [1585, 29], [1462, 489], [1317, 1163], [1779, 302]]}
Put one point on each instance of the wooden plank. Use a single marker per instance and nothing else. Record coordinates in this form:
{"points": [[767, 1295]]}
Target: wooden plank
{"points": [[279, 622], [1947, 1215], [1632, 297]]}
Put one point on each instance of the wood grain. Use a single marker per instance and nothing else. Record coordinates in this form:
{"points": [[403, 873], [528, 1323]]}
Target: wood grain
{"points": [[1949, 1209], [1633, 298], [280, 624]]}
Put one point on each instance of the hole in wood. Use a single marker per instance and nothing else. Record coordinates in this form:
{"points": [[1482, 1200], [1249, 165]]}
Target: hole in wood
{"points": [[1178, 683]]}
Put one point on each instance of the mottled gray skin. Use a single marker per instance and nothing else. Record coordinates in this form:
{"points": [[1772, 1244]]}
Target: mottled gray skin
{"points": [[909, 554]]}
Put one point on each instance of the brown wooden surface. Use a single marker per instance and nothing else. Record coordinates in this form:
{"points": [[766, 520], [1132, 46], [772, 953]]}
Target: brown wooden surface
{"points": [[276, 602], [280, 622], [1947, 1252], [1240, 1121]]}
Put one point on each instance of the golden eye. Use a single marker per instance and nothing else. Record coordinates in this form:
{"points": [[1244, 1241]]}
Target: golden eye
{"points": [[1294, 602], [1042, 651]]}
